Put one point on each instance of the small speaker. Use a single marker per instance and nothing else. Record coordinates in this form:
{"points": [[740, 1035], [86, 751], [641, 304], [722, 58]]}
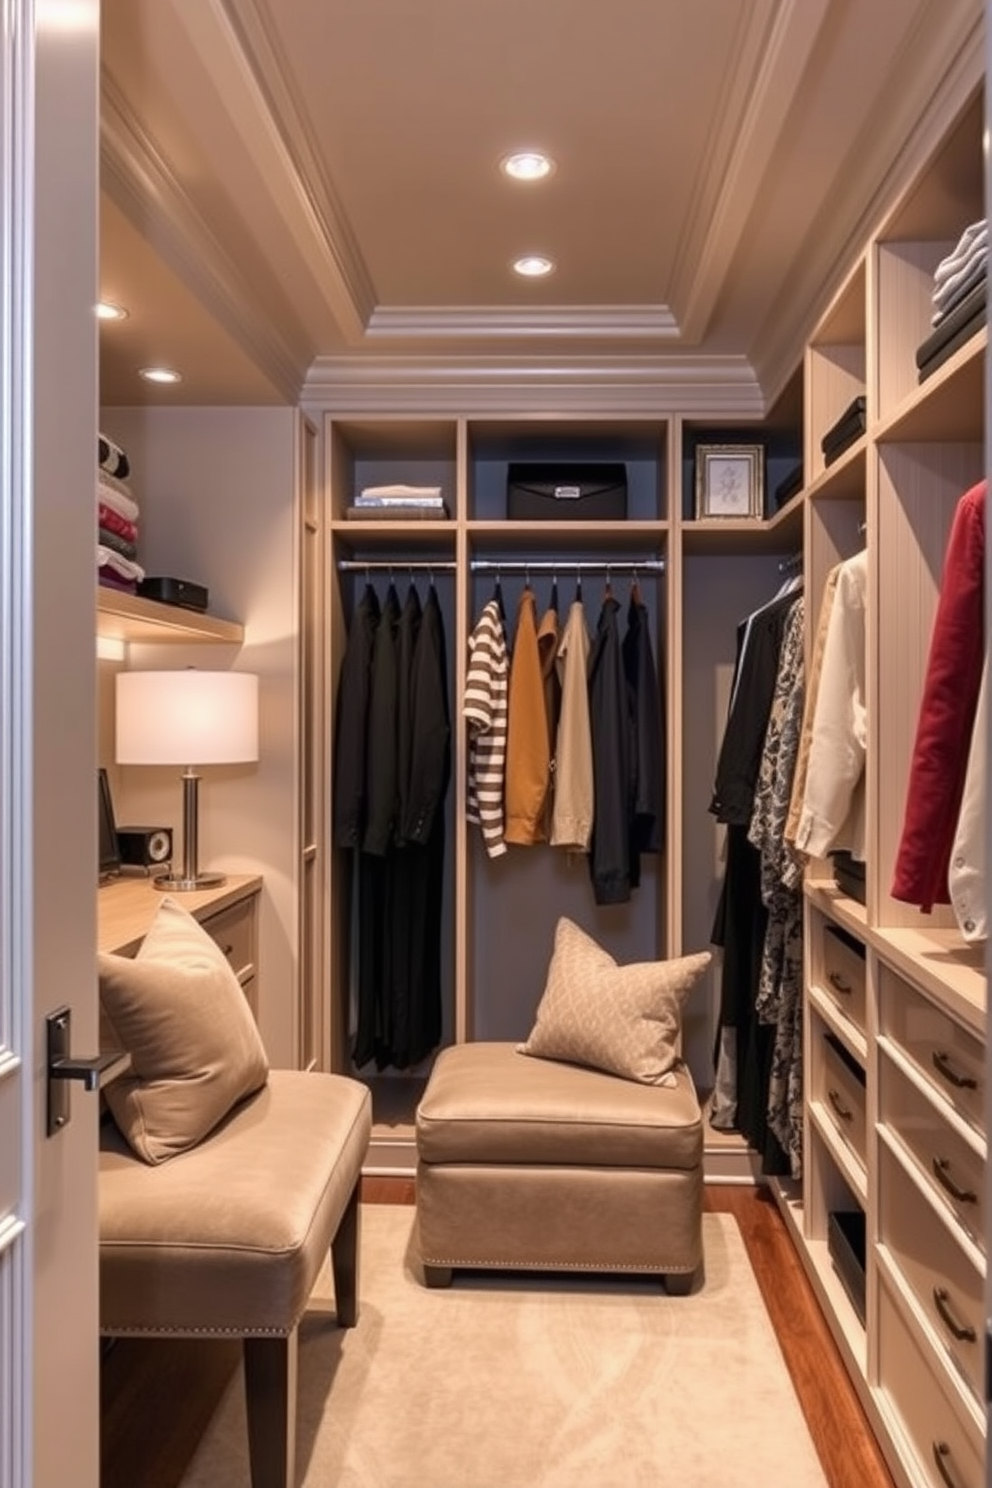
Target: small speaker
{"points": [[144, 847]]}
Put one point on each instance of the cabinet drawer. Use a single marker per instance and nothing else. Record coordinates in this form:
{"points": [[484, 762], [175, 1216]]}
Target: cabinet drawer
{"points": [[954, 1171], [842, 1092], [234, 931], [948, 1450], [949, 1058], [842, 971], [942, 1278]]}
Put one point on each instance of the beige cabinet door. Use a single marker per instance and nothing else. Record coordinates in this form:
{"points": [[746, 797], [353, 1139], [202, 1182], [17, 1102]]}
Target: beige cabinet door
{"points": [[49, 1358]]}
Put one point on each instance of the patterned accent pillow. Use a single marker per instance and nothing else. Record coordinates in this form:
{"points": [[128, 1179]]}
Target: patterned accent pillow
{"points": [[179, 1011], [624, 1020]]}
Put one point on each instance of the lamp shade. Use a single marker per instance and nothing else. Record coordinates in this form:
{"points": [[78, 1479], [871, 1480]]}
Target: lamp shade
{"points": [[186, 718]]}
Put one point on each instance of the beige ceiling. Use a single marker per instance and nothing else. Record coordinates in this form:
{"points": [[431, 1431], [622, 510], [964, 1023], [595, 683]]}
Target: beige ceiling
{"points": [[306, 192]]}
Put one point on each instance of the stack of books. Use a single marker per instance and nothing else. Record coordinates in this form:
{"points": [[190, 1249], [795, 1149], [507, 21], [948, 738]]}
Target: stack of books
{"points": [[398, 503]]}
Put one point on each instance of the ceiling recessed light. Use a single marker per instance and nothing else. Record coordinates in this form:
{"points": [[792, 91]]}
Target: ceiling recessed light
{"points": [[107, 310], [527, 165], [160, 374], [533, 266]]}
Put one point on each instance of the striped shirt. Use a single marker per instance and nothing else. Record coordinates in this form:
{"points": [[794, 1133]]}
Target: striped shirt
{"points": [[485, 710]]}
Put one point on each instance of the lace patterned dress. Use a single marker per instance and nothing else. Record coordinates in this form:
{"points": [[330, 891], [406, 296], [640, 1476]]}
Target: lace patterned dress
{"points": [[779, 1001]]}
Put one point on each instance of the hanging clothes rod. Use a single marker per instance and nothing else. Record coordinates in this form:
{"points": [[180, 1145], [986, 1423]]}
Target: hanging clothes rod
{"points": [[788, 565], [566, 565], [403, 565]]}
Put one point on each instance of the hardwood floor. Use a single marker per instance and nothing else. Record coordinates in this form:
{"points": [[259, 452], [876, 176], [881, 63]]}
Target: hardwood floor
{"points": [[144, 1445]]}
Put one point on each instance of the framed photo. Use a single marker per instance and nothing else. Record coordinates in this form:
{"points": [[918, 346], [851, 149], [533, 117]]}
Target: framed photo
{"points": [[730, 480]]}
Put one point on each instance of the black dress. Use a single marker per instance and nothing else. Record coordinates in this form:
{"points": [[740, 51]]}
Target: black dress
{"points": [[741, 917]]}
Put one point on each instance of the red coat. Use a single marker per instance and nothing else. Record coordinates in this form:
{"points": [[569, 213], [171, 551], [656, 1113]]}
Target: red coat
{"points": [[947, 713]]}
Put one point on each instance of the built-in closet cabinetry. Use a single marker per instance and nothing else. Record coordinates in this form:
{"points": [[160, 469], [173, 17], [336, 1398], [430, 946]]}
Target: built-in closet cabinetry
{"points": [[500, 914], [895, 1000], [696, 578]]}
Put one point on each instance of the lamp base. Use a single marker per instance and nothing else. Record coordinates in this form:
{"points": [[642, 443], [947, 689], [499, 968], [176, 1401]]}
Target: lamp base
{"points": [[171, 883]]}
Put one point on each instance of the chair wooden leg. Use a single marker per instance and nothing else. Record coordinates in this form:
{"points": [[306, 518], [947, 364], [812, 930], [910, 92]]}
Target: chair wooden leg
{"points": [[270, 1397], [344, 1263]]}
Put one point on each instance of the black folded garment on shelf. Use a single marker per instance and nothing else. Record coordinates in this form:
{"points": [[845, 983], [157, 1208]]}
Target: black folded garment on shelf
{"points": [[849, 875], [849, 427], [953, 331], [595, 492], [788, 486]]}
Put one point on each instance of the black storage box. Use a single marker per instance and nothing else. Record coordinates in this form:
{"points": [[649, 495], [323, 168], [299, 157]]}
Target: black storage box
{"points": [[588, 492], [846, 1247], [849, 875], [181, 592]]}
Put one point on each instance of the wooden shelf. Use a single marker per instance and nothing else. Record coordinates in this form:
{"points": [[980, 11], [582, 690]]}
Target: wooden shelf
{"points": [[851, 1168], [838, 906], [845, 1325], [949, 405], [129, 617], [722, 536], [942, 965], [850, 1036], [845, 478]]}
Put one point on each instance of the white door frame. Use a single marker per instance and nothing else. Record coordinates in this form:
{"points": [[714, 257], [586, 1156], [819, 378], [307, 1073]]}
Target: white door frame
{"points": [[49, 163]]}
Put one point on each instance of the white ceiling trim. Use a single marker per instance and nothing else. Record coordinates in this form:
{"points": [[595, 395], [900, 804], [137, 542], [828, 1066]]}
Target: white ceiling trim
{"points": [[142, 184], [275, 142], [771, 59], [945, 63], [704, 387], [257, 33], [595, 322]]}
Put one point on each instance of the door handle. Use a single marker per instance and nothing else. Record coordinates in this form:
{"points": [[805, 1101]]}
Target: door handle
{"points": [[62, 1068]]}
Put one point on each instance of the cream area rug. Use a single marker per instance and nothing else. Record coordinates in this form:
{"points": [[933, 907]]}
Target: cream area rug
{"points": [[506, 1381]]}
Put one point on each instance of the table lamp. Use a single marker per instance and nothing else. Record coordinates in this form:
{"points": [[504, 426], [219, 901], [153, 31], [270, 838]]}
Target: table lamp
{"points": [[187, 718]]}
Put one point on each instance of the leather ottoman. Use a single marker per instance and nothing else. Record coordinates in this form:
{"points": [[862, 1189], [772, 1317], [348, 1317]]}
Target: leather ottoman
{"points": [[530, 1164]]}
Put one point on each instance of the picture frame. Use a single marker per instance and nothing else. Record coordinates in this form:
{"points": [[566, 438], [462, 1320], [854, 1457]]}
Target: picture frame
{"points": [[730, 481]]}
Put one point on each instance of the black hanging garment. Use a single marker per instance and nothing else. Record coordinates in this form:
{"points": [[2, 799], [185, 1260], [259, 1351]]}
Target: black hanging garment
{"points": [[352, 722], [609, 847], [422, 829], [647, 738], [392, 770], [401, 930], [375, 951], [741, 919]]}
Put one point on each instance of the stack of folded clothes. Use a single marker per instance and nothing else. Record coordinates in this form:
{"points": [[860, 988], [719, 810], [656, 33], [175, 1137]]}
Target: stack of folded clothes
{"points": [[849, 427], [959, 299], [117, 520]]}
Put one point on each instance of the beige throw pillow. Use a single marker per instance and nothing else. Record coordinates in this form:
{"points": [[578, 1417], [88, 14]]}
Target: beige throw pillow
{"points": [[624, 1020], [179, 1011]]}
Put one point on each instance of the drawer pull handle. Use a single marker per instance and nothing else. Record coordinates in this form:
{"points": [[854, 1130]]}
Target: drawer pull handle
{"points": [[942, 1064], [942, 1173], [844, 1112], [941, 1451], [838, 983], [963, 1332], [228, 950]]}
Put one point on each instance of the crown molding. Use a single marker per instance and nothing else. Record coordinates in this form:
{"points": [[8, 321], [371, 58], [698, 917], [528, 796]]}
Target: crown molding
{"points": [[139, 179], [321, 227], [703, 387], [775, 41], [941, 64], [461, 322]]}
